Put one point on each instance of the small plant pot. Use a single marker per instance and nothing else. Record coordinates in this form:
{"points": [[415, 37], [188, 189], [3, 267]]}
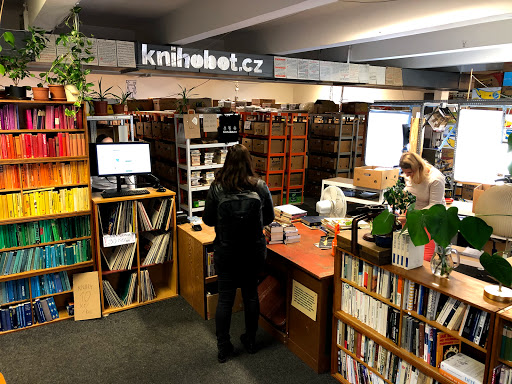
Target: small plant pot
{"points": [[40, 93], [17, 93], [383, 241], [118, 109], [100, 108], [71, 93], [57, 92]]}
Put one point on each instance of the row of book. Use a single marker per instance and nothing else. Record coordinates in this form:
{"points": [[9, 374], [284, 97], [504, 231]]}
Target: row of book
{"points": [[278, 233], [14, 290], [116, 218], [210, 264], [399, 371], [50, 174], [374, 279], [378, 315], [20, 316], [506, 343], [385, 363], [146, 287], [44, 231], [49, 256], [156, 214], [130, 292], [502, 374], [43, 202], [471, 322], [158, 247], [120, 257], [49, 284], [50, 117], [34, 146]]}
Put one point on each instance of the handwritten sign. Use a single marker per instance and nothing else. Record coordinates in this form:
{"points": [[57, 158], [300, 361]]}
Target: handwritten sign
{"points": [[304, 299], [210, 123], [86, 294], [115, 240]]}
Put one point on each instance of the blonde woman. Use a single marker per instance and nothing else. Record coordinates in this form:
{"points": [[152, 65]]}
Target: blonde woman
{"points": [[426, 183]]}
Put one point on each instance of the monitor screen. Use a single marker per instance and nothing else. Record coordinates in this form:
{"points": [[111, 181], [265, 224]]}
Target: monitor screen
{"points": [[123, 159]]}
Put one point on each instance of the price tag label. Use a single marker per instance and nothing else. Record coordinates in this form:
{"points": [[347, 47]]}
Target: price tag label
{"points": [[247, 125], [115, 240]]}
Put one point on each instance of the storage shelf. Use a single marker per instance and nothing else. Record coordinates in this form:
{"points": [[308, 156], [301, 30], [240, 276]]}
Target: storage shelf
{"points": [[210, 279], [43, 217], [372, 294], [351, 354], [7, 131], [185, 207], [200, 167], [53, 186], [53, 294], [211, 145], [114, 271], [193, 189], [63, 315], [14, 302], [37, 272], [506, 362], [45, 244], [43, 160]]}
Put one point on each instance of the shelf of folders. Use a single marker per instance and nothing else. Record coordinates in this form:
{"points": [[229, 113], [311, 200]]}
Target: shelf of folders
{"points": [[136, 249]]}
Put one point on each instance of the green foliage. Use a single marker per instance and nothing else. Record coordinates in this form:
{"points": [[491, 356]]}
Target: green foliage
{"points": [[383, 223], [415, 224], [101, 94], [398, 198], [184, 98], [123, 97], [497, 267], [16, 64], [475, 231], [442, 223]]}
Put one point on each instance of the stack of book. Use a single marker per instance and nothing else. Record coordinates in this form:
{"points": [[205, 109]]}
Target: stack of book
{"points": [[15, 316], [313, 222], [463, 369], [288, 213], [129, 292], [502, 374], [291, 234], [274, 233]]}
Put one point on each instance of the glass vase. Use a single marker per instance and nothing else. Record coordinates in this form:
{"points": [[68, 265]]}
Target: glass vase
{"points": [[442, 263]]}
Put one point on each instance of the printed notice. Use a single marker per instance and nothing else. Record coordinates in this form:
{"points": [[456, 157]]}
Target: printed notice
{"points": [[292, 68], [280, 67], [86, 295], [247, 125], [210, 123], [125, 54], [115, 240], [107, 54], [326, 70], [49, 53], [364, 73], [344, 72], [303, 69], [314, 70], [304, 299], [353, 73]]}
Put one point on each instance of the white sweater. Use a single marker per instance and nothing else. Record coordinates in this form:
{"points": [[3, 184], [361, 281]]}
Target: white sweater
{"points": [[430, 191]]}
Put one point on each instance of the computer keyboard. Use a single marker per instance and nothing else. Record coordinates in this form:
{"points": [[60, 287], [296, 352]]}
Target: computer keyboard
{"points": [[124, 192]]}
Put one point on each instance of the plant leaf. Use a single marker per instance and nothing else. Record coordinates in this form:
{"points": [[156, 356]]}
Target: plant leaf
{"points": [[475, 231], [442, 224], [383, 223], [9, 38], [2, 70], [416, 227], [497, 267]]}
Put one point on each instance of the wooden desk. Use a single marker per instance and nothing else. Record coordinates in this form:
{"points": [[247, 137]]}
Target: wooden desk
{"points": [[312, 267]]}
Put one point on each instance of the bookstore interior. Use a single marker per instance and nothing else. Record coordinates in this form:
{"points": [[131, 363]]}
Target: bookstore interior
{"points": [[389, 258]]}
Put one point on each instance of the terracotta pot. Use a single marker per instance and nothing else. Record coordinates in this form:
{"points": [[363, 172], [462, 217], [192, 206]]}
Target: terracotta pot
{"points": [[40, 93], [100, 108], [57, 92], [118, 109]]}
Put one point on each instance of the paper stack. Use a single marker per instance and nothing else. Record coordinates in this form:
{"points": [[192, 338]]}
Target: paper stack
{"points": [[274, 233], [291, 234]]}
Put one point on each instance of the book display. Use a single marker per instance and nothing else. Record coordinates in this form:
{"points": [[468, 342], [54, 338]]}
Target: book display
{"points": [[423, 321], [45, 216], [501, 360], [136, 249]]}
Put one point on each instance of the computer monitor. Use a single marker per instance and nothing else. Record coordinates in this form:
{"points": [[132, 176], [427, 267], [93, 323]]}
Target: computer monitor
{"points": [[120, 159]]}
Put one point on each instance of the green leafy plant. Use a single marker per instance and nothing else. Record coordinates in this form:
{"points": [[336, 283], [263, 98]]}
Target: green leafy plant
{"points": [[123, 97], [15, 65], [68, 68], [101, 94], [9, 39], [184, 98]]}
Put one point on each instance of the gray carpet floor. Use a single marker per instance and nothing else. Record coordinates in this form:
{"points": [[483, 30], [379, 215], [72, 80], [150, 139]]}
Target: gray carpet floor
{"points": [[165, 342]]}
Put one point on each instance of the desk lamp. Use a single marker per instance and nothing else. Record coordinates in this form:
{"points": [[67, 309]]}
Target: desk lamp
{"points": [[494, 206]]}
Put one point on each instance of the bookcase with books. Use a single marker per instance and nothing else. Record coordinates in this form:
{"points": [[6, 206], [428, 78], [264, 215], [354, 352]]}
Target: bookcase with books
{"points": [[399, 325], [502, 351], [135, 249], [45, 215]]}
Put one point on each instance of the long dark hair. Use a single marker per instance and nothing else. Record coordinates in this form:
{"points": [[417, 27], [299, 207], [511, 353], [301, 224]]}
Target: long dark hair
{"points": [[237, 173]]}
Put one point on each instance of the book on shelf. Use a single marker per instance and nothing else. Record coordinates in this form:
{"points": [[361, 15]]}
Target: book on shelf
{"points": [[120, 257], [156, 247], [14, 290], [210, 264], [50, 284], [506, 343], [52, 174], [502, 374], [45, 310], [116, 218], [463, 369], [33, 146], [446, 347], [146, 286], [160, 214], [312, 221], [288, 213], [15, 317]]}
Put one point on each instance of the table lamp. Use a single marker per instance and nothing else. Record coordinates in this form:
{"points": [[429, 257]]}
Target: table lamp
{"points": [[494, 206]]}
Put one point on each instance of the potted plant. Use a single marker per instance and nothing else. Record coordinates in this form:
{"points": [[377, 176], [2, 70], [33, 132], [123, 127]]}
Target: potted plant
{"points": [[122, 98], [99, 99], [15, 66], [67, 70]]}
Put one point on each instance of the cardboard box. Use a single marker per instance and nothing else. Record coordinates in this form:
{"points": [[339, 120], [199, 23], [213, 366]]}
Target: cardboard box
{"points": [[147, 129], [247, 143], [330, 163], [203, 102], [140, 105], [263, 101], [313, 190], [297, 162], [156, 129], [467, 191], [323, 106], [213, 300], [298, 145], [294, 197], [166, 151], [315, 161], [317, 129], [375, 177], [299, 129], [295, 179], [260, 163], [139, 128], [278, 129], [315, 145], [162, 104], [315, 175], [477, 192], [276, 199], [168, 132], [261, 146], [355, 108], [358, 162], [332, 130], [331, 146], [275, 180], [346, 129]]}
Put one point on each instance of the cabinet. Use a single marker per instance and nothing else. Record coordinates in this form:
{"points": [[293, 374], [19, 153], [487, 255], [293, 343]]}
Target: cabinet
{"points": [[45, 215], [386, 313], [198, 281], [137, 261], [501, 358], [297, 133], [336, 146]]}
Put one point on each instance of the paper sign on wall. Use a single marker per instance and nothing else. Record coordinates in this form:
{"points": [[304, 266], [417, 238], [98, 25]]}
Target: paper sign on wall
{"points": [[107, 53], [125, 54], [304, 299], [86, 295], [210, 123], [280, 67], [49, 53], [115, 240], [191, 126]]}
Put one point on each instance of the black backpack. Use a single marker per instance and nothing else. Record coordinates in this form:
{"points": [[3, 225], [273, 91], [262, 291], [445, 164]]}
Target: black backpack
{"points": [[239, 217]]}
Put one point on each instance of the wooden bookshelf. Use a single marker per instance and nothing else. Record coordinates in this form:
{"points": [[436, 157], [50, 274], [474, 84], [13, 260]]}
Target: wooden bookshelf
{"points": [[504, 317], [64, 297], [164, 276], [460, 287]]}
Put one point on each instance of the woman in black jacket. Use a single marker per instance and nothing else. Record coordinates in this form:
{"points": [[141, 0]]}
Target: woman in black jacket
{"points": [[238, 205]]}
